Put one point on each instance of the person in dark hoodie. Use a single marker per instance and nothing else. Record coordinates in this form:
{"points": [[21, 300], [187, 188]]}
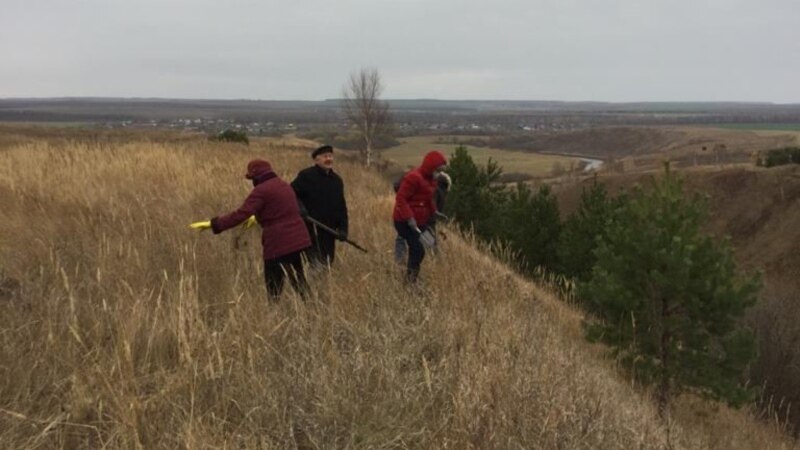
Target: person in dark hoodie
{"points": [[284, 237], [415, 207], [320, 192]]}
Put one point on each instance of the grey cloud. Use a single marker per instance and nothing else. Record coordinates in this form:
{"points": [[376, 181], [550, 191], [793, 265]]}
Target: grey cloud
{"points": [[616, 50]]}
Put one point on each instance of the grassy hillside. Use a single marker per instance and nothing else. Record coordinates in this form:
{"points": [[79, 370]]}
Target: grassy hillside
{"points": [[122, 328]]}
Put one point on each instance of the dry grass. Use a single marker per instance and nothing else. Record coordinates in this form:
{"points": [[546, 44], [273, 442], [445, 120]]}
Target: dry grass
{"points": [[121, 328]]}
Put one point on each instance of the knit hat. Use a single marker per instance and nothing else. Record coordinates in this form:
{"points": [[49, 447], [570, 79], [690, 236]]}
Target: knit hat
{"points": [[321, 150], [256, 168]]}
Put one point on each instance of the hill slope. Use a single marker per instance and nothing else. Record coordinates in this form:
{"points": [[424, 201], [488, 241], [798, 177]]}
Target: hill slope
{"points": [[120, 327]]}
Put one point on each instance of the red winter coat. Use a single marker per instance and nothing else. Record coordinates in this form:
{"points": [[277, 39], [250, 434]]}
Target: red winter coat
{"points": [[415, 195], [274, 204]]}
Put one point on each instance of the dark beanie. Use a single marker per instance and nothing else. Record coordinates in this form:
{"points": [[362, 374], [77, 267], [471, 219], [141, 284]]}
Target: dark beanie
{"points": [[321, 150]]}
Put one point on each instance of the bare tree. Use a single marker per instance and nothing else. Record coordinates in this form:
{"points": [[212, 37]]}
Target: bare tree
{"points": [[363, 107]]}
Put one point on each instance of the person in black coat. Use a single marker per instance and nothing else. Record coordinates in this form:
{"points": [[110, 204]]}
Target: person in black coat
{"points": [[320, 193]]}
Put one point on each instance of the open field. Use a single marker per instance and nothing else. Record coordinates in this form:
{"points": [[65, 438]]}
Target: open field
{"points": [[626, 149], [645, 148], [770, 133], [122, 328], [742, 141], [761, 126], [701, 146], [637, 142], [410, 154]]}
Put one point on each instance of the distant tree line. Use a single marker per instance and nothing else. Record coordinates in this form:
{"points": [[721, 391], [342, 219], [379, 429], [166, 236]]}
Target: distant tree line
{"points": [[665, 297], [780, 157]]}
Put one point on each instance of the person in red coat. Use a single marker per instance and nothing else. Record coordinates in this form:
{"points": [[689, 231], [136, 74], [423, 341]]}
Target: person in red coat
{"points": [[414, 208], [284, 236]]}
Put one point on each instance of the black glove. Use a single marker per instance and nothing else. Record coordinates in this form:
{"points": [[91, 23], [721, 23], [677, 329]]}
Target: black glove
{"points": [[341, 235]]}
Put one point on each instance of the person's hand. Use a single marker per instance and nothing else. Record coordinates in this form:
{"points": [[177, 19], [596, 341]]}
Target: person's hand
{"points": [[341, 235], [247, 224], [200, 226], [412, 222]]}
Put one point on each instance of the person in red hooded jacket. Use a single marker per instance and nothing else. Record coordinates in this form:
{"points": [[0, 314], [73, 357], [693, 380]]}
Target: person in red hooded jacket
{"points": [[284, 236], [414, 207]]}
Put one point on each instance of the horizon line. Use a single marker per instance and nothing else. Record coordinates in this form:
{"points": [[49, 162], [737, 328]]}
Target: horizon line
{"points": [[430, 99]]}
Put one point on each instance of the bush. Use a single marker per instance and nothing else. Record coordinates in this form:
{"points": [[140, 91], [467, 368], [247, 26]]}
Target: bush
{"points": [[475, 200], [531, 226], [585, 228], [231, 136], [528, 222], [780, 157]]}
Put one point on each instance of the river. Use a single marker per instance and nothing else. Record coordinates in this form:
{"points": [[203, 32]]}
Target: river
{"points": [[592, 164]]}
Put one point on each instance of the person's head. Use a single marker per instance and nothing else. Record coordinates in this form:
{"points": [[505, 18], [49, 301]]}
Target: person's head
{"points": [[433, 162], [444, 181], [323, 157], [257, 170]]}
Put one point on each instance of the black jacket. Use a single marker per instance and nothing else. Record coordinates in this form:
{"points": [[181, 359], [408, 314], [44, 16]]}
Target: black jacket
{"points": [[322, 194]]}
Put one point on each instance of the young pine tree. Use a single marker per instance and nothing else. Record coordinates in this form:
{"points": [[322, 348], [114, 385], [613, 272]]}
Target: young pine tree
{"points": [[473, 201], [531, 225], [584, 228], [668, 298]]}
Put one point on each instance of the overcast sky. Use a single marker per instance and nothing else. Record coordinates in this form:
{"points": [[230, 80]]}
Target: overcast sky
{"points": [[599, 50]]}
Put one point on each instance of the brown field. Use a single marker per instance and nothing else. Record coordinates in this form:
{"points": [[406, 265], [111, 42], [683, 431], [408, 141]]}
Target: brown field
{"points": [[122, 328], [624, 149], [410, 154], [635, 149], [722, 146], [780, 133]]}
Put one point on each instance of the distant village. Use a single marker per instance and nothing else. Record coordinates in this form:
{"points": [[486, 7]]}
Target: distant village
{"points": [[208, 125], [271, 128]]}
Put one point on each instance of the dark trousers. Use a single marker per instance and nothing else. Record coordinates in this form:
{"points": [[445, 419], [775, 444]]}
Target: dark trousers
{"points": [[416, 251], [278, 269], [323, 246]]}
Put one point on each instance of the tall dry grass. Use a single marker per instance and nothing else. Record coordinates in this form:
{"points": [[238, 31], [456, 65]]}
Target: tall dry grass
{"points": [[122, 328]]}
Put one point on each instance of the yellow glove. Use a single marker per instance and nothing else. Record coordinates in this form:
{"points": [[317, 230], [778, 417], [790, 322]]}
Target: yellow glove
{"points": [[247, 224], [201, 226]]}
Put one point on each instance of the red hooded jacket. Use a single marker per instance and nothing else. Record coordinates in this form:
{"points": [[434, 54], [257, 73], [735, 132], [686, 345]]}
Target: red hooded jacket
{"points": [[274, 204], [415, 195]]}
